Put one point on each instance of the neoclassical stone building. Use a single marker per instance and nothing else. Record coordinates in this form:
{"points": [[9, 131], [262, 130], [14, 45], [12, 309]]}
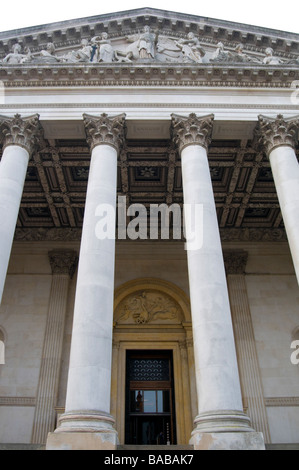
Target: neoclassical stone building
{"points": [[149, 207]]}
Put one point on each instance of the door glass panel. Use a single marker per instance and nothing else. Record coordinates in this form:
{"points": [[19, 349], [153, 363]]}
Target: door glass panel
{"points": [[149, 401], [160, 407], [150, 417]]}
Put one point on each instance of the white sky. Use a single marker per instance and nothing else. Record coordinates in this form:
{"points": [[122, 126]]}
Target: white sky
{"points": [[282, 16]]}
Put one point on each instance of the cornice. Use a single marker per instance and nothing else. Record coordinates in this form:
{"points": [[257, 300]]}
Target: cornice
{"points": [[150, 75]]}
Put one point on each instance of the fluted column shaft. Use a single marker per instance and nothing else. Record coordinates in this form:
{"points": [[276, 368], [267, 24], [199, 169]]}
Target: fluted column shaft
{"points": [[235, 264], [220, 407], [278, 138], [89, 379], [19, 137], [63, 264]]}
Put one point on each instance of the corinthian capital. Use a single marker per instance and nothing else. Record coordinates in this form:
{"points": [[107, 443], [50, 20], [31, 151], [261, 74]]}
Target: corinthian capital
{"points": [[63, 261], [192, 130], [25, 132], [105, 130], [271, 133], [235, 261]]}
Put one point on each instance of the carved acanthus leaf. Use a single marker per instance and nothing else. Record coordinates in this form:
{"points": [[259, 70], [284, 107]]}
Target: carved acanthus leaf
{"points": [[63, 261], [105, 130], [271, 133], [235, 261], [25, 132], [192, 130]]}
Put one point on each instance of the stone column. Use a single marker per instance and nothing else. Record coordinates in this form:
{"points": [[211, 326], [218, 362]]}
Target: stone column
{"points": [[251, 383], [278, 138], [220, 423], [87, 423], [19, 136], [63, 264]]}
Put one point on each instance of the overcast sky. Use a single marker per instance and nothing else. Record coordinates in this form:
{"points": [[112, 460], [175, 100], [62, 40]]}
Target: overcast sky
{"points": [[282, 16]]}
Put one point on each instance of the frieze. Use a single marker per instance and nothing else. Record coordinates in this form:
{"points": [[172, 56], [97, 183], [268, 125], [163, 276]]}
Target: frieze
{"points": [[74, 234]]}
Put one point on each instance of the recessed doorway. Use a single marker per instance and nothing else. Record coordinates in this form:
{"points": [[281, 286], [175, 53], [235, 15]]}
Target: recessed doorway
{"points": [[150, 410]]}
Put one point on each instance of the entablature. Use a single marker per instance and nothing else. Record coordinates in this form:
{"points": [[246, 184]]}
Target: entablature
{"points": [[149, 74], [148, 47]]}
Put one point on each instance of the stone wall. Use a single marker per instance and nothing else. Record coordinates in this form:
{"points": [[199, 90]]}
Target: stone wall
{"points": [[273, 299]]}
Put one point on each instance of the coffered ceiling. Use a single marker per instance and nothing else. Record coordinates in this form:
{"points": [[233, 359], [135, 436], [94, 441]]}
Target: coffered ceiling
{"points": [[149, 171]]}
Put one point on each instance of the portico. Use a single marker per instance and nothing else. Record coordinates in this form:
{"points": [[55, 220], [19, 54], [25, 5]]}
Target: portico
{"points": [[91, 148]]}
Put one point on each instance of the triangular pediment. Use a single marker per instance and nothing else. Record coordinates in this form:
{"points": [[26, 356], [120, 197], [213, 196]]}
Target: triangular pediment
{"points": [[150, 35]]}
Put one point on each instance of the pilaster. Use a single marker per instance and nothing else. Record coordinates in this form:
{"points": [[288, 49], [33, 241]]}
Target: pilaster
{"points": [[251, 384], [63, 264]]}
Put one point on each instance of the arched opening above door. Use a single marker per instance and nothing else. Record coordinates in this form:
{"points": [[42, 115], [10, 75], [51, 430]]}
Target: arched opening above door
{"points": [[152, 322]]}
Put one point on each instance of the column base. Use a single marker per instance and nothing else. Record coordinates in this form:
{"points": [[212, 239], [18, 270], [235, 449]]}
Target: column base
{"points": [[225, 430], [83, 431], [228, 441]]}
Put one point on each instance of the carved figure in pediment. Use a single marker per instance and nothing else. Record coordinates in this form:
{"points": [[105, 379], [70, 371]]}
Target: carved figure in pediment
{"points": [[239, 55], [15, 57], [168, 50], [81, 55], [145, 43], [104, 50], [122, 56], [270, 59], [220, 55], [48, 55], [236, 56], [191, 49]]}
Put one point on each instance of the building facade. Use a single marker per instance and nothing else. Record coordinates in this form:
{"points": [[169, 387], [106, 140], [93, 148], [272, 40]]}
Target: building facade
{"points": [[149, 204]]}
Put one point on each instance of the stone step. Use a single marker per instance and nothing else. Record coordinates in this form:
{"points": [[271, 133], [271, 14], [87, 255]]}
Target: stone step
{"points": [[156, 448], [22, 447]]}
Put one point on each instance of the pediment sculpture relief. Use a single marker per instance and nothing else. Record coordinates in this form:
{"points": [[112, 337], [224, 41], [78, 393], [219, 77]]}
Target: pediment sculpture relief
{"points": [[146, 46], [148, 306]]}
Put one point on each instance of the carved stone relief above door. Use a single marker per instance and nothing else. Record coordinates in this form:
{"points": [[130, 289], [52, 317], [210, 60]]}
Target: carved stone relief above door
{"points": [[150, 301]]}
